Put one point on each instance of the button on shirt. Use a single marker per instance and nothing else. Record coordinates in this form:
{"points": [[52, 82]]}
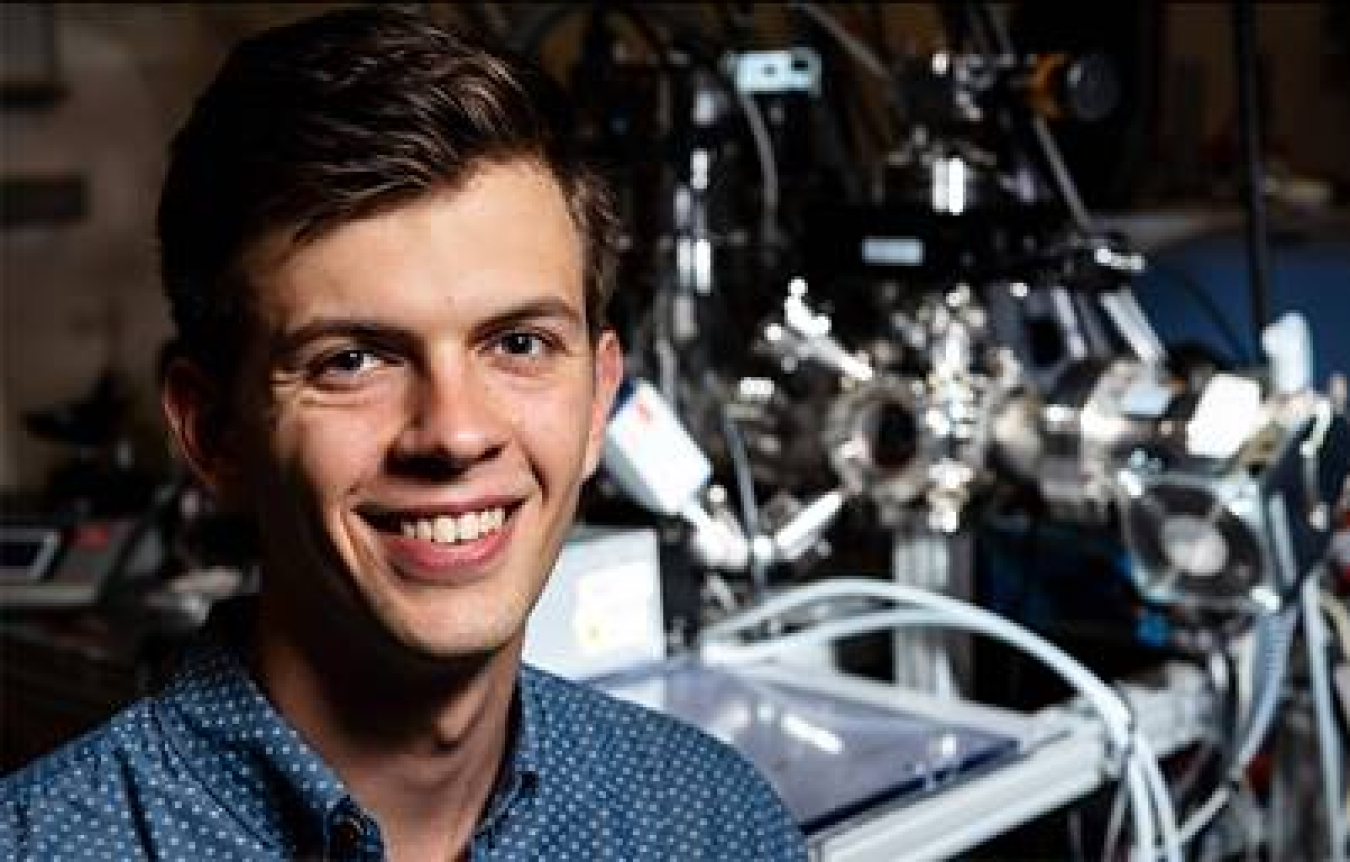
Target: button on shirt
{"points": [[209, 770]]}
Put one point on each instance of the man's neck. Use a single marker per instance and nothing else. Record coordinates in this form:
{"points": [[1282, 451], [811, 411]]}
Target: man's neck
{"points": [[421, 751]]}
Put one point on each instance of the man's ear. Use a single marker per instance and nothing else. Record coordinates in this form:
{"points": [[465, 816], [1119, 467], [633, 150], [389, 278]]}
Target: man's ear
{"points": [[608, 374], [197, 409]]}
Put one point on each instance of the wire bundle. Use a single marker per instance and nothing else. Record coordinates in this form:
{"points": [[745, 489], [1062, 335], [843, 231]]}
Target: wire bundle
{"points": [[1153, 815]]}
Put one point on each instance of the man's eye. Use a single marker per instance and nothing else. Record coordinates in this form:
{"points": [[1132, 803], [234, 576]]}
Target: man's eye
{"points": [[525, 344], [348, 363]]}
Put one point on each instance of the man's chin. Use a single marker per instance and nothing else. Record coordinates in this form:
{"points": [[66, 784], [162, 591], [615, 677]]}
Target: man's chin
{"points": [[436, 650]]}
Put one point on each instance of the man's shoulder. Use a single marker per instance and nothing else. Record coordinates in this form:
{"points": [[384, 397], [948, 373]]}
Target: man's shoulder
{"points": [[666, 787], [93, 768]]}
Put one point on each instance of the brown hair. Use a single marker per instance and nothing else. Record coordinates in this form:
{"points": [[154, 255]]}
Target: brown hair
{"points": [[335, 118]]}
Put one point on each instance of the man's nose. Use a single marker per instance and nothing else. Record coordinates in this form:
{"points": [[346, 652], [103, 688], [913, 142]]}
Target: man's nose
{"points": [[452, 419]]}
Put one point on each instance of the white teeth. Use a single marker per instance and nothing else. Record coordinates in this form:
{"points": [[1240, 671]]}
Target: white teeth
{"points": [[445, 529], [468, 526], [448, 529]]}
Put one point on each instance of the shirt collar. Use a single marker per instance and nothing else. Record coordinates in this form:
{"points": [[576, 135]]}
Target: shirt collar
{"points": [[247, 755], [239, 747], [525, 756]]}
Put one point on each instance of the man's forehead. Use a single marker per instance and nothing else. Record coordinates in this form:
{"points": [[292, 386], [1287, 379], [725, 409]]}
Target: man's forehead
{"points": [[504, 235], [274, 248]]}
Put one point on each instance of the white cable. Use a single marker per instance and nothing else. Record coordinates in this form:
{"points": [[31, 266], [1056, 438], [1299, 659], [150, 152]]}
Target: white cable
{"points": [[1068, 191], [1279, 637], [968, 615], [1328, 737], [1063, 179], [822, 634], [1245, 808], [1148, 791], [1115, 822], [1142, 779], [1164, 808], [1201, 817], [768, 165], [1142, 811], [1340, 623], [1340, 620]]}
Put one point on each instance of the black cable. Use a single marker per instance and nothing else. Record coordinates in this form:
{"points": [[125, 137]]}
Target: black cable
{"points": [[1253, 195], [1231, 704], [1074, 826], [1238, 353], [876, 20], [1059, 178], [140, 529], [980, 29], [1115, 821], [954, 21], [541, 23], [1217, 756], [830, 116], [681, 39], [745, 487], [536, 25], [880, 131]]}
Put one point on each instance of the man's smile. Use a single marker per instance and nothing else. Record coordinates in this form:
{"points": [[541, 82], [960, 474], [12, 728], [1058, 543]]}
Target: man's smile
{"points": [[453, 525], [449, 529]]}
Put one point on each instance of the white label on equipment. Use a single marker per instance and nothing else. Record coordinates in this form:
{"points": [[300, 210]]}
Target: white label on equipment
{"points": [[613, 610], [892, 251]]}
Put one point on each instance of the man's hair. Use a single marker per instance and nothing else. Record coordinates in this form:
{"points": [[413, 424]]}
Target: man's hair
{"points": [[339, 117]]}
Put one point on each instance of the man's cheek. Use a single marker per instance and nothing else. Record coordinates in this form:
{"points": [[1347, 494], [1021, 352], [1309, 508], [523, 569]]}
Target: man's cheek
{"points": [[329, 441]]}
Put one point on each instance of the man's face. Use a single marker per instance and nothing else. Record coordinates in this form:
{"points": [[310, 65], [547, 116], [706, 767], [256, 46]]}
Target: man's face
{"points": [[420, 405]]}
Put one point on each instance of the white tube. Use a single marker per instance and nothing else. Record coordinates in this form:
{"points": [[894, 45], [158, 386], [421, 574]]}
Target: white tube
{"points": [[1148, 791], [1201, 817], [1340, 621], [1143, 820], [818, 635], [1328, 737], [1140, 780], [1277, 639], [768, 165], [963, 614], [1164, 810]]}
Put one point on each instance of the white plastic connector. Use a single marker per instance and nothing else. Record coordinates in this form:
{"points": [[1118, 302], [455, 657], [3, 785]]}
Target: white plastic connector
{"points": [[1288, 346]]}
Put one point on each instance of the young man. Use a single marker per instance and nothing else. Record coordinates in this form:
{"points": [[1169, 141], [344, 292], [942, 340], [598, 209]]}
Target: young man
{"points": [[389, 273]]}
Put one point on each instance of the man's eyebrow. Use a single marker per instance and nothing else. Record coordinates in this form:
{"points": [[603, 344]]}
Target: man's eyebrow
{"points": [[547, 308], [337, 327], [365, 329]]}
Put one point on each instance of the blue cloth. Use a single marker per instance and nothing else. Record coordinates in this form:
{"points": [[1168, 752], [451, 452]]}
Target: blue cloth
{"points": [[207, 769], [1195, 288]]}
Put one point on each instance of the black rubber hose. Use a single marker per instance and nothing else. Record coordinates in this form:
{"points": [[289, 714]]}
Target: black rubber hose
{"points": [[1253, 192]]}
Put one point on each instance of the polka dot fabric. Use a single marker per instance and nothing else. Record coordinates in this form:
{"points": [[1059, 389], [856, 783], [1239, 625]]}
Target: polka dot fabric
{"points": [[208, 770], [618, 782]]}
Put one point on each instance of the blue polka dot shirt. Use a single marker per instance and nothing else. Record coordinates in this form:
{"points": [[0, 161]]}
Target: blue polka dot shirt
{"points": [[208, 770]]}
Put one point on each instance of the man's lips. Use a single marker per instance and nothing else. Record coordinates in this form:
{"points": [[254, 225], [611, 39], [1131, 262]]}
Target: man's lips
{"points": [[443, 523], [443, 543]]}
